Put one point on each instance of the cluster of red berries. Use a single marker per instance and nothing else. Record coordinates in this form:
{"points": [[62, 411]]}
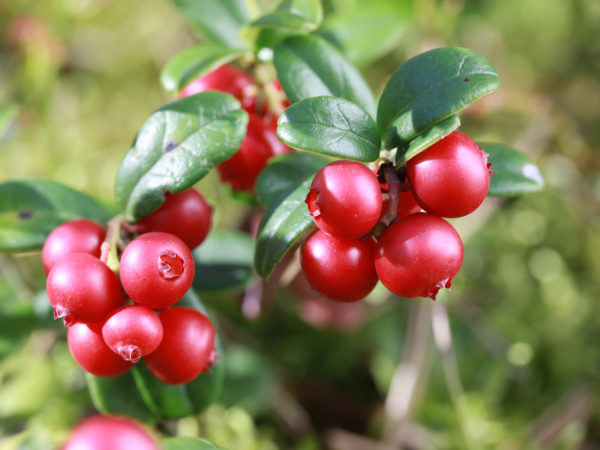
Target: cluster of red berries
{"points": [[108, 331], [261, 142], [416, 252]]}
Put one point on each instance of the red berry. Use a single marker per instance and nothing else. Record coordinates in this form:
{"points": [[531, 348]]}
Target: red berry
{"points": [[341, 269], [91, 352], [407, 204], [451, 178], [226, 78], [186, 215], [187, 348], [345, 199], [259, 145], [110, 433], [418, 255], [74, 236], [157, 269], [81, 288], [132, 331]]}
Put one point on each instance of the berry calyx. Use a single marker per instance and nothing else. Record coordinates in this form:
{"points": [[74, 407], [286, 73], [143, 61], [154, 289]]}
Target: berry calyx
{"points": [[81, 288], [156, 269], [74, 236], [451, 178], [185, 214], [132, 331], [341, 269], [418, 255], [345, 199], [187, 348], [91, 352]]}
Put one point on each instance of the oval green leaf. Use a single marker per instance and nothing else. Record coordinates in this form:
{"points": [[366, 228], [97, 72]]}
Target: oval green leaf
{"points": [[284, 173], [308, 66], [193, 62], [218, 20], [427, 139], [223, 261], [281, 227], [177, 146], [303, 15], [514, 172], [186, 443], [331, 126], [430, 87], [31, 209]]}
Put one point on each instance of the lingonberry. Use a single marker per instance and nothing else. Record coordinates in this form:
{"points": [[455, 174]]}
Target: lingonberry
{"points": [[81, 288], [345, 199], [418, 255], [187, 348], [341, 269], [156, 269], [91, 352], [451, 178], [259, 145], [132, 331], [407, 204], [109, 433], [226, 78], [74, 236], [185, 214]]}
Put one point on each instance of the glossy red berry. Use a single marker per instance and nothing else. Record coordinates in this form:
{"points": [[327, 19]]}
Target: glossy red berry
{"points": [[345, 199], [407, 204], [259, 145], [226, 78], [91, 352], [186, 215], [157, 269], [74, 236], [132, 331], [451, 178], [341, 269], [418, 255], [187, 348], [81, 288], [110, 433]]}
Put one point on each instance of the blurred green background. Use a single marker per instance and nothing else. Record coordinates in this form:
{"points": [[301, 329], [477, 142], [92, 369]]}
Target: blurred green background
{"points": [[508, 359]]}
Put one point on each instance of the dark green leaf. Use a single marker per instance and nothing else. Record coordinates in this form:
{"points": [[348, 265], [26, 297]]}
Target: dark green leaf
{"points": [[219, 20], [186, 443], [430, 87], [224, 260], [177, 146], [284, 173], [331, 126], [31, 209], [118, 395], [281, 227], [427, 139], [308, 66], [193, 62], [515, 173], [293, 14]]}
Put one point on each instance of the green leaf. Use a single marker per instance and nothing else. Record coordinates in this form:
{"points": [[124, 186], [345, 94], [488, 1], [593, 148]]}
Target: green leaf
{"points": [[193, 62], [303, 15], [186, 443], [331, 126], [224, 260], [284, 173], [427, 139], [31, 209], [515, 173], [118, 395], [177, 146], [308, 66], [281, 227], [430, 87], [7, 116], [219, 20]]}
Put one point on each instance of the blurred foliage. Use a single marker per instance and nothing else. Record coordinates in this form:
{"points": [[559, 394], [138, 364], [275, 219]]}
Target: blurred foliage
{"points": [[521, 369]]}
